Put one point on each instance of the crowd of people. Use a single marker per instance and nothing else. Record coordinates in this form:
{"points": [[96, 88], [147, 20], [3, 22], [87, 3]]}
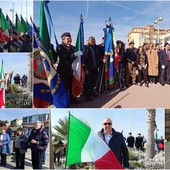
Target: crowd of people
{"points": [[37, 141], [147, 64], [17, 43], [139, 142]]}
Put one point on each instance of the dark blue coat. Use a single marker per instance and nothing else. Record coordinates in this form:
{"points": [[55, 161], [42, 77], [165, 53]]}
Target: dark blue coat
{"points": [[118, 146], [41, 137]]}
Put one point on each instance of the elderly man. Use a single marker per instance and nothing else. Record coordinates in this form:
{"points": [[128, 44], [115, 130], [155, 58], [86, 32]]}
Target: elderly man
{"points": [[66, 57], [38, 140], [91, 68], [115, 141]]}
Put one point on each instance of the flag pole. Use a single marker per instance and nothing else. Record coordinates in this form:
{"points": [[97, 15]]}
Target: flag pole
{"points": [[26, 9]]}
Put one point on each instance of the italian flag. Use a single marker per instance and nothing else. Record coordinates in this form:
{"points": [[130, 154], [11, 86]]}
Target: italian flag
{"points": [[86, 146]]}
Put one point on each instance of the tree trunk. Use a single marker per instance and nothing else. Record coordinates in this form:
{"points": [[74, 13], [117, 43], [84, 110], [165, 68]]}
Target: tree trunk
{"points": [[30, 70], [151, 125]]}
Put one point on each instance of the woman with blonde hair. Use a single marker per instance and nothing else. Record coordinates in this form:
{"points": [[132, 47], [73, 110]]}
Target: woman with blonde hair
{"points": [[4, 146]]}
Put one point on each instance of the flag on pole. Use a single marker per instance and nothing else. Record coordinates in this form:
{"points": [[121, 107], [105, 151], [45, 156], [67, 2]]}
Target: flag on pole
{"points": [[11, 25], [4, 34], [18, 25], [48, 88], [44, 33], [50, 24], [77, 65], [2, 90], [109, 52], [86, 146], [25, 25]]}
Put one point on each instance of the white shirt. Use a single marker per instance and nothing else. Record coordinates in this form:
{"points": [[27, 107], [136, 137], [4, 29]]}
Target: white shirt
{"points": [[107, 138]]}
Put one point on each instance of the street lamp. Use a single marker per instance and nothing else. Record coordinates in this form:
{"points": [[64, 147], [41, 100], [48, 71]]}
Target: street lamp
{"points": [[157, 22]]}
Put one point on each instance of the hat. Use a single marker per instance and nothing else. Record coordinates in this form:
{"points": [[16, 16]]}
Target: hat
{"points": [[38, 122], [65, 34], [130, 133], [132, 42], [118, 42], [139, 133], [166, 44]]}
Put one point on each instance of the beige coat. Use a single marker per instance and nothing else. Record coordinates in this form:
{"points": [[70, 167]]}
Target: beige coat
{"points": [[152, 63]]}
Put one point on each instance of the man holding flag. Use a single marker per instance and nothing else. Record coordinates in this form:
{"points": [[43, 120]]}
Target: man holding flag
{"points": [[67, 56]]}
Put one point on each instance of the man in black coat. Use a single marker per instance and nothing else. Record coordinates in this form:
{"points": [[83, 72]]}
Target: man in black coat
{"points": [[130, 140], [139, 142], [66, 58], [115, 141], [91, 68], [130, 56], [9, 130]]}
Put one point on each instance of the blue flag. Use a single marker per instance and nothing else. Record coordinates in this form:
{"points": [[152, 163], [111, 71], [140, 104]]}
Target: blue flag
{"points": [[48, 88]]}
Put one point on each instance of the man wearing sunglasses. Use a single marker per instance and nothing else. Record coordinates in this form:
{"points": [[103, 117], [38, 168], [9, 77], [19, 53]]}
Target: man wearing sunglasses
{"points": [[115, 141]]}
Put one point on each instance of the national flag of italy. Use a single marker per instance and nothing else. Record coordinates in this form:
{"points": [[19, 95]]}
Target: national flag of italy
{"points": [[86, 146]]}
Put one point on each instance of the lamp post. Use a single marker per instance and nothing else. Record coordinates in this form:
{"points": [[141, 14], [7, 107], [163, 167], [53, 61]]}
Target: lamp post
{"points": [[157, 22]]}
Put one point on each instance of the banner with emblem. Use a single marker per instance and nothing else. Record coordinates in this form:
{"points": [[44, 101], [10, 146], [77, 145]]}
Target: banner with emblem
{"points": [[48, 88]]}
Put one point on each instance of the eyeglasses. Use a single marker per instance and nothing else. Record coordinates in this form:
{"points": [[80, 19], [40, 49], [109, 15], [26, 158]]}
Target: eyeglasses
{"points": [[109, 123]]}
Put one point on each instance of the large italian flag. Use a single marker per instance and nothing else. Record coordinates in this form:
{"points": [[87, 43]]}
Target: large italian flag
{"points": [[86, 146]]}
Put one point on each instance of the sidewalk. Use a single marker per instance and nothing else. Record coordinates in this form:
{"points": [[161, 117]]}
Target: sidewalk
{"points": [[28, 164], [132, 97]]}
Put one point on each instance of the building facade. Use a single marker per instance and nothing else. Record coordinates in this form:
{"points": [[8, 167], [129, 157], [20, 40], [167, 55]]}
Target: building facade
{"points": [[16, 122], [147, 34]]}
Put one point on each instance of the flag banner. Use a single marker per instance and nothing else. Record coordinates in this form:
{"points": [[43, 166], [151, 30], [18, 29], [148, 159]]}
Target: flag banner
{"points": [[30, 32], [44, 33], [86, 146], [48, 88], [11, 25], [25, 25], [2, 98], [50, 24], [18, 25], [109, 52], [4, 34], [77, 65]]}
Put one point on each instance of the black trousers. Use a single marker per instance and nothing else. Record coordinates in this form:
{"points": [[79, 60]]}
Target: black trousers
{"points": [[3, 159], [152, 79], [145, 76], [67, 81], [90, 82], [20, 159], [37, 159]]}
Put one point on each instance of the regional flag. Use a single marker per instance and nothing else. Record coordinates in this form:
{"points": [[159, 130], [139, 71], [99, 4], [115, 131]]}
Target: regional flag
{"points": [[25, 25], [86, 146], [77, 65], [18, 25], [48, 88]]}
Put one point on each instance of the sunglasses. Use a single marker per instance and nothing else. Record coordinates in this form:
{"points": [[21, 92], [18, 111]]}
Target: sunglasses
{"points": [[107, 123]]}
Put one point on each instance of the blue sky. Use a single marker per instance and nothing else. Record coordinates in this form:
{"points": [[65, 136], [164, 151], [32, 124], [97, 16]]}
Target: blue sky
{"points": [[11, 114], [26, 4], [125, 16], [121, 119], [17, 62]]}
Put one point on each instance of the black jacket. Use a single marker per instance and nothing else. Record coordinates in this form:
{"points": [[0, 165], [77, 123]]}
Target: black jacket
{"points": [[66, 56], [89, 64], [130, 55], [130, 141], [162, 57], [118, 146]]}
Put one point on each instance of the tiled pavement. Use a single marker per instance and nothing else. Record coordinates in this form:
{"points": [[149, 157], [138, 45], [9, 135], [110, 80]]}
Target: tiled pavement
{"points": [[133, 97]]}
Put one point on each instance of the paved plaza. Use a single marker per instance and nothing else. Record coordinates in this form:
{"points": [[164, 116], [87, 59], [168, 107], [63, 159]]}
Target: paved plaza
{"points": [[132, 97]]}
